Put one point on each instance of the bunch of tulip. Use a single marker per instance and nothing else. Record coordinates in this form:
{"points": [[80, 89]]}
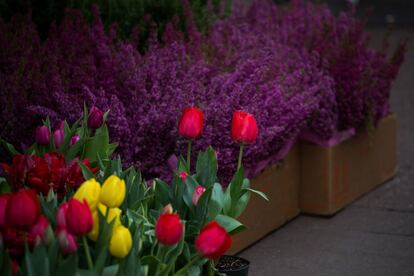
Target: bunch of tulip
{"points": [[55, 161], [128, 226]]}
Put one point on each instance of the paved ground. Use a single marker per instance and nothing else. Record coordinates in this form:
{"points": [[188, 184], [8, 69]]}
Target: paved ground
{"points": [[372, 236]]}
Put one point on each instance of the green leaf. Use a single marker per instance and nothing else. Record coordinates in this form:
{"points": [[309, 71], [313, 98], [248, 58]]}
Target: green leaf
{"points": [[97, 144], [207, 167], [231, 225], [110, 270], [68, 266], [259, 193], [86, 172], [9, 147], [216, 201], [162, 192], [190, 186]]}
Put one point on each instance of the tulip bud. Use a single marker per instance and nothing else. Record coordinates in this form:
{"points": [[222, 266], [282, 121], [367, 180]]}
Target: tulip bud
{"points": [[79, 217], [243, 127], [42, 135], [191, 123], [61, 215], [121, 242], [67, 241], [198, 192], [22, 210], [168, 209], [213, 241], [169, 229], [113, 213], [94, 234], [95, 118], [58, 137], [113, 191], [38, 230], [90, 190], [183, 176], [3, 204], [75, 138]]}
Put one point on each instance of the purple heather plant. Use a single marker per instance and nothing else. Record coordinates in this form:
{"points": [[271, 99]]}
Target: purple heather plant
{"points": [[254, 60]]}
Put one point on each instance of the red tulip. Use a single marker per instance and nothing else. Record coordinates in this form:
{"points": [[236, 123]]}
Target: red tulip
{"points": [[22, 210], [61, 215], [67, 241], [14, 241], [42, 135], [3, 204], [198, 192], [17, 171], [213, 241], [48, 173], [169, 229], [75, 177], [183, 176], [38, 230], [79, 217], [244, 127], [95, 118], [191, 123]]}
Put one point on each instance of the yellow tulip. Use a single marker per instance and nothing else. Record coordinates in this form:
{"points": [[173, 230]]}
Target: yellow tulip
{"points": [[113, 191], [93, 235], [121, 242], [113, 213], [90, 190]]}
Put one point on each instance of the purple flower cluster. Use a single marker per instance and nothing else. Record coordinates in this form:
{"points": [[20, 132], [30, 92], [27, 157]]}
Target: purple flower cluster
{"points": [[295, 69]]}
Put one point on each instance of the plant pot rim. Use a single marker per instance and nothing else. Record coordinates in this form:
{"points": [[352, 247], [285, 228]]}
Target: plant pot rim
{"points": [[246, 264]]}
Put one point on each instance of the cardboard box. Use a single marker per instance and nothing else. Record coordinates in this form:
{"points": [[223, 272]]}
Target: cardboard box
{"points": [[280, 182], [332, 177]]}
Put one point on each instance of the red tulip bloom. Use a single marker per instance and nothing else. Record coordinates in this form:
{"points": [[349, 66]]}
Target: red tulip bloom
{"points": [[169, 229], [61, 215], [67, 241], [38, 230], [16, 172], [75, 177], [48, 173], [22, 210], [191, 123], [213, 241], [14, 241], [3, 204], [244, 127], [95, 118], [78, 217], [42, 135], [198, 192]]}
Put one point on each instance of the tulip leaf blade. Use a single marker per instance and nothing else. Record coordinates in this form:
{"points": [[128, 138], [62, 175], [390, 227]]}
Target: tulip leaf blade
{"points": [[216, 201], [86, 172], [231, 225], [9, 147], [206, 167]]}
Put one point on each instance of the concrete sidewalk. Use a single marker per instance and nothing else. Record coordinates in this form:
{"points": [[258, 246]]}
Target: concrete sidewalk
{"points": [[372, 236]]}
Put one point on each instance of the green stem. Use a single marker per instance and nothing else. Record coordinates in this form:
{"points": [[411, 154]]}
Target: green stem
{"points": [[188, 265], [239, 163], [87, 253], [211, 268], [189, 156]]}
